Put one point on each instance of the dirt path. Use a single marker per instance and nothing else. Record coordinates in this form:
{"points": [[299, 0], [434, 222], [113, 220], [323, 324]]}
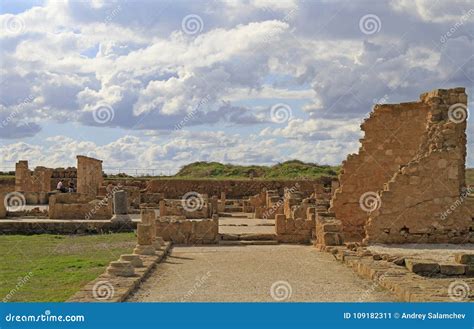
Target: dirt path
{"points": [[248, 273]]}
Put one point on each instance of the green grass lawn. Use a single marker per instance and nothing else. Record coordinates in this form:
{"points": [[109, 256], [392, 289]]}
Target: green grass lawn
{"points": [[51, 268]]}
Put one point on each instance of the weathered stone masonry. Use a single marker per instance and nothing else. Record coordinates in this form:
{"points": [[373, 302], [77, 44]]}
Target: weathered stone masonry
{"points": [[412, 162]]}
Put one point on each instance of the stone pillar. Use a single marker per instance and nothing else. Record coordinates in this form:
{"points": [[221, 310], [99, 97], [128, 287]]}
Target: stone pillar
{"points": [[3, 210], [311, 213], [162, 206], [221, 205], [89, 175], [214, 204], [145, 240], [280, 224], [148, 217], [121, 207]]}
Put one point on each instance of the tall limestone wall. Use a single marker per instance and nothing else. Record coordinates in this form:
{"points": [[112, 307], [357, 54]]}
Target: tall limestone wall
{"points": [[425, 200], [89, 175], [393, 133]]}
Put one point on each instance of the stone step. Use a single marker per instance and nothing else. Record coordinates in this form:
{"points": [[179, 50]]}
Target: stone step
{"points": [[248, 236], [233, 209], [247, 242], [235, 214]]}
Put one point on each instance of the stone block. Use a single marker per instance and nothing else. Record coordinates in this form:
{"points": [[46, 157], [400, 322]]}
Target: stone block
{"points": [[452, 269], [121, 268], [463, 258], [144, 234], [469, 270], [135, 260], [332, 239], [422, 266], [331, 227], [144, 250]]}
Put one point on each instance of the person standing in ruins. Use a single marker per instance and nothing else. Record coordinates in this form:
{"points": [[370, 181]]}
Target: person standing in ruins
{"points": [[71, 188], [60, 187]]}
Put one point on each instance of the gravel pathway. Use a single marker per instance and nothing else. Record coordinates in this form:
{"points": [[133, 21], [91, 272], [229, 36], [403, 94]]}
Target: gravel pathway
{"points": [[248, 273]]}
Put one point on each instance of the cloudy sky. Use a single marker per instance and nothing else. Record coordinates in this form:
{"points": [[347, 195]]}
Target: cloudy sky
{"points": [[158, 84]]}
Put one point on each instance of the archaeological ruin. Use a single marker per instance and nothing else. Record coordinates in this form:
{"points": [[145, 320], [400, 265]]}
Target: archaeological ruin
{"points": [[405, 185], [409, 171]]}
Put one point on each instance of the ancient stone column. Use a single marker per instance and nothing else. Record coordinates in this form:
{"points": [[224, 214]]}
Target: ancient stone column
{"points": [[145, 240], [221, 205], [121, 207], [3, 209], [280, 224], [214, 204], [148, 217], [162, 206]]}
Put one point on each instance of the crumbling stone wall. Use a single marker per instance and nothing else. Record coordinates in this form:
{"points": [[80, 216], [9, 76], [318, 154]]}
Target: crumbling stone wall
{"points": [[410, 168], [89, 175], [78, 206], [393, 134], [38, 180], [414, 202], [183, 231], [290, 230]]}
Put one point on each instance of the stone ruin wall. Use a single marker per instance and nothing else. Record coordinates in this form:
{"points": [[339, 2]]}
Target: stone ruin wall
{"points": [[414, 202], [185, 231], [418, 138], [89, 175], [234, 189], [392, 136], [37, 180], [79, 206]]}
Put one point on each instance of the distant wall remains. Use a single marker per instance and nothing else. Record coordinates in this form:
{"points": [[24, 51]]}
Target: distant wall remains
{"points": [[233, 189]]}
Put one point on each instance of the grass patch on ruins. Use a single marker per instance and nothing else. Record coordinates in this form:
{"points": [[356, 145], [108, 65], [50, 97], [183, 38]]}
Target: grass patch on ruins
{"points": [[293, 169], [51, 268]]}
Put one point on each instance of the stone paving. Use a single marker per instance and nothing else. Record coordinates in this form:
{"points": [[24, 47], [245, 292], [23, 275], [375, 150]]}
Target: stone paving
{"points": [[248, 273]]}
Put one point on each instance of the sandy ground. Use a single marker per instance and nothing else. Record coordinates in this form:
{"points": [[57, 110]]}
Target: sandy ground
{"points": [[438, 252], [247, 274]]}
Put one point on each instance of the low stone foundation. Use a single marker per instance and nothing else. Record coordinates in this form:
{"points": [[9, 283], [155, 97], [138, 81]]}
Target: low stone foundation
{"points": [[294, 230], [186, 231], [28, 227], [78, 206]]}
